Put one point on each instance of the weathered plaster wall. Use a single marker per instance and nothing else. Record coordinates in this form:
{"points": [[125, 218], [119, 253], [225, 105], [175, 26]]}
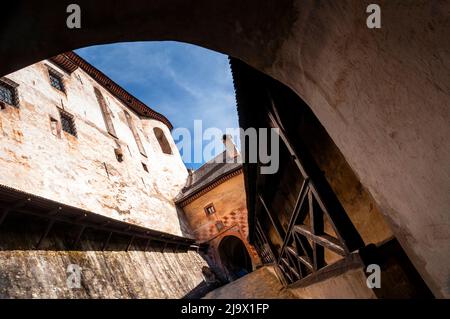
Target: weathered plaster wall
{"points": [[109, 274], [84, 171], [229, 201]]}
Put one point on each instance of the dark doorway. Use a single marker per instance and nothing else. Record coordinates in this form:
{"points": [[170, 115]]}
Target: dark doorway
{"points": [[234, 257]]}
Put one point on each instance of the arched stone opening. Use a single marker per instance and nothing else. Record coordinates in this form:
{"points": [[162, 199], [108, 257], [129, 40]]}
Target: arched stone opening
{"points": [[384, 108], [234, 257], [162, 140]]}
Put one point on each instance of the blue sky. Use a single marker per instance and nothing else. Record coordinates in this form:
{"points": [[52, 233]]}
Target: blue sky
{"points": [[182, 81]]}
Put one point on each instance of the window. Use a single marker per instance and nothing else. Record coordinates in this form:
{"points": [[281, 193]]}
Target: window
{"points": [[219, 225], [106, 112], [135, 133], [8, 92], [144, 166], [68, 123], [210, 209], [54, 127], [56, 80], [162, 140]]}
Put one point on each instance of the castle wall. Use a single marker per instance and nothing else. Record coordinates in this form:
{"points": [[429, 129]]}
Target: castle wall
{"points": [[83, 171], [229, 202]]}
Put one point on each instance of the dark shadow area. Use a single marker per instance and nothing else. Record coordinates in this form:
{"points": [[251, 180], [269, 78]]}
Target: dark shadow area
{"points": [[234, 257], [29, 222]]}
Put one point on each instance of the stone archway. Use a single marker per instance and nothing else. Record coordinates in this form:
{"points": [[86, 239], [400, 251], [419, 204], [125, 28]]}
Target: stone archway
{"points": [[384, 107], [234, 257]]}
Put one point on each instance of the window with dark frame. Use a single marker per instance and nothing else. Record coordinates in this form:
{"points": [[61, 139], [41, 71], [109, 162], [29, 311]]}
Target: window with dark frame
{"points": [[8, 92], [56, 80], [68, 123], [210, 209]]}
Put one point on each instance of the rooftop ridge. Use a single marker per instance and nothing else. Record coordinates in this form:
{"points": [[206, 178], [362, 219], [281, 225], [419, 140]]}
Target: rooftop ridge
{"points": [[69, 61]]}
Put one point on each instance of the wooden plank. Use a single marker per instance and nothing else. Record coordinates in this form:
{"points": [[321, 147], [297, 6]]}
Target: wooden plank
{"points": [[275, 224], [303, 259], [47, 230], [285, 271], [105, 244], [297, 208], [304, 244], [317, 225], [129, 243], [147, 244], [77, 239], [288, 145], [4, 215], [324, 240]]}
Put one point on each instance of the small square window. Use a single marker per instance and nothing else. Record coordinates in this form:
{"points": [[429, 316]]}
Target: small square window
{"points": [[210, 209], [144, 166], [68, 123], [8, 92], [56, 80]]}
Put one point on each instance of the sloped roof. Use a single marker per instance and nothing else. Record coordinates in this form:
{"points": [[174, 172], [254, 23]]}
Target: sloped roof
{"points": [[70, 61], [208, 176]]}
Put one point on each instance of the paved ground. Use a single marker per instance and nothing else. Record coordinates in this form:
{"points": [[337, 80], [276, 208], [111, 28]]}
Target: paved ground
{"points": [[262, 283]]}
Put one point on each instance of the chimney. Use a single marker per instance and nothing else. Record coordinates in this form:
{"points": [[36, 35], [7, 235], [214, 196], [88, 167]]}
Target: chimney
{"points": [[230, 148]]}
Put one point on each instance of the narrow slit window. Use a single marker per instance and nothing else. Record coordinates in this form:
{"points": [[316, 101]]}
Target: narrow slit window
{"points": [[162, 140], [54, 127], [68, 123], [135, 134], [106, 112]]}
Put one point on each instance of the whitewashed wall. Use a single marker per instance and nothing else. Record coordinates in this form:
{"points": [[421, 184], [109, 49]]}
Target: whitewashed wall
{"points": [[72, 170]]}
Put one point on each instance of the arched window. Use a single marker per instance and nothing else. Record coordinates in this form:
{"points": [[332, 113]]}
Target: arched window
{"points": [[163, 142]]}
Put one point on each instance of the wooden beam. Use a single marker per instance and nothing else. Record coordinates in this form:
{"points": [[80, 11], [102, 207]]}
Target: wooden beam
{"points": [[303, 259], [16, 205], [129, 243], [55, 211], [105, 244], [324, 240], [47, 230], [298, 162], [80, 233], [299, 202], [147, 244], [274, 222], [3, 216], [317, 226]]}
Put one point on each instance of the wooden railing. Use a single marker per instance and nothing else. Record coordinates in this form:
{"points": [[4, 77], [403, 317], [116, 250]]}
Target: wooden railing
{"points": [[304, 240]]}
